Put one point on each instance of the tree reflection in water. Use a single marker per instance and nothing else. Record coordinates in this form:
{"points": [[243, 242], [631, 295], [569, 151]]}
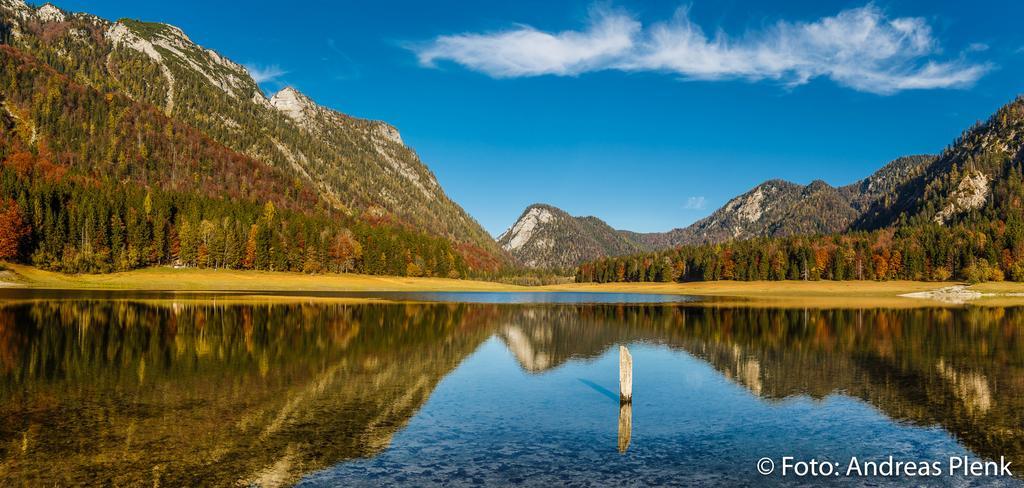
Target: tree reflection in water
{"points": [[199, 393]]}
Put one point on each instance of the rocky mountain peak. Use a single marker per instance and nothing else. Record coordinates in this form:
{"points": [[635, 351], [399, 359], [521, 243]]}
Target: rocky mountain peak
{"points": [[304, 111], [777, 208], [49, 13], [389, 132], [294, 104], [819, 185], [750, 206], [548, 237], [521, 232]]}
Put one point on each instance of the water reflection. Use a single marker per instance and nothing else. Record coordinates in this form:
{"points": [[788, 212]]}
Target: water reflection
{"points": [[962, 369], [195, 395], [191, 393], [625, 425]]}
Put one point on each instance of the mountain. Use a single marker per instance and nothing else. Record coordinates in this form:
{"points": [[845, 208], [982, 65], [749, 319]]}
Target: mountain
{"points": [[545, 236], [775, 207], [885, 182], [778, 208], [361, 168], [548, 237], [976, 180], [96, 182], [956, 216]]}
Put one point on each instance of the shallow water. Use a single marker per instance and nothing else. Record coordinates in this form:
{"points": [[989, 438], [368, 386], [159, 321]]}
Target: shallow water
{"points": [[132, 389]]}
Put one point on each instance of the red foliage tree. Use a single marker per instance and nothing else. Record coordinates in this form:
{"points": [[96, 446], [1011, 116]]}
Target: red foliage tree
{"points": [[13, 230], [21, 162]]}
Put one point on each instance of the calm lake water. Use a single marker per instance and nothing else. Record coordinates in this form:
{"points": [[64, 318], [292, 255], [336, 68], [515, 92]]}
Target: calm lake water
{"points": [[488, 389]]}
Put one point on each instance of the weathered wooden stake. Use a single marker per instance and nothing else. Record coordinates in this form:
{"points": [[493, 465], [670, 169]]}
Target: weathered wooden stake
{"points": [[625, 375]]}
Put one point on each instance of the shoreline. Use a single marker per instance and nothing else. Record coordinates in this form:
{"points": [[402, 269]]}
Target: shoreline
{"points": [[864, 293]]}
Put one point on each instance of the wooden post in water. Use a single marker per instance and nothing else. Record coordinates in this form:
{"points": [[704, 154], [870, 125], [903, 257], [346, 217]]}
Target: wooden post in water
{"points": [[625, 398], [625, 375]]}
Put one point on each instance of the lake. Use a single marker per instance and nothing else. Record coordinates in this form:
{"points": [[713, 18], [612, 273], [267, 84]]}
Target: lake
{"points": [[163, 389]]}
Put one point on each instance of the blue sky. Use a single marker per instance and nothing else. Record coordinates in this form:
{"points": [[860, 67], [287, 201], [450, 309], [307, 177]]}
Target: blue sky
{"points": [[647, 114]]}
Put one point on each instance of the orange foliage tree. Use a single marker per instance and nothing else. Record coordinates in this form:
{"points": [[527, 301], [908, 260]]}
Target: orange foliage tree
{"points": [[13, 230]]}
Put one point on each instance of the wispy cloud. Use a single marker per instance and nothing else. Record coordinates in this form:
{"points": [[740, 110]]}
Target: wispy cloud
{"points": [[525, 51], [262, 74], [860, 48], [695, 203]]}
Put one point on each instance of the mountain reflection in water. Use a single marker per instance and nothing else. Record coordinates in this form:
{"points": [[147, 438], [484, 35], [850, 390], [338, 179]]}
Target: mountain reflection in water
{"points": [[196, 393]]}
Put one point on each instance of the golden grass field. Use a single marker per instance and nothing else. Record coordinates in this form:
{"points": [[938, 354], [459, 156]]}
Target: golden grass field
{"points": [[809, 293], [171, 279]]}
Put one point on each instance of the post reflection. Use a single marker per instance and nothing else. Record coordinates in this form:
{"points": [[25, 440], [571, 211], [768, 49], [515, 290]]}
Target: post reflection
{"points": [[625, 425]]}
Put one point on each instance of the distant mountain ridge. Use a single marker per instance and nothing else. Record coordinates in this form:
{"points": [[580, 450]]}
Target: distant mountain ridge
{"points": [[775, 208], [778, 208]]}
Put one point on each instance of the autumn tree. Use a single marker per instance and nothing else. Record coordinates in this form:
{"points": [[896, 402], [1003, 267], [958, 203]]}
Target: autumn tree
{"points": [[249, 260], [13, 230], [345, 251]]}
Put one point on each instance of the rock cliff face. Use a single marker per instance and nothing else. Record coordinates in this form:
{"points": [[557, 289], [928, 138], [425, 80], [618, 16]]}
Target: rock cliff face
{"points": [[970, 194], [294, 105]]}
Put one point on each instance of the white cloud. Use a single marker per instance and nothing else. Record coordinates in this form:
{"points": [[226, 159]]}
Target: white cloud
{"points": [[262, 74], [860, 48], [695, 203], [525, 51]]}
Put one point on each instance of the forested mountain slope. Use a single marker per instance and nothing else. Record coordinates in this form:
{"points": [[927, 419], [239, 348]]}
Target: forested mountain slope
{"points": [[976, 180], [358, 167], [96, 182]]}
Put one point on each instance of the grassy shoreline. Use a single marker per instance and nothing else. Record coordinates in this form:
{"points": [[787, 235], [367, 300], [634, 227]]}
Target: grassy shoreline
{"points": [[169, 279]]}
